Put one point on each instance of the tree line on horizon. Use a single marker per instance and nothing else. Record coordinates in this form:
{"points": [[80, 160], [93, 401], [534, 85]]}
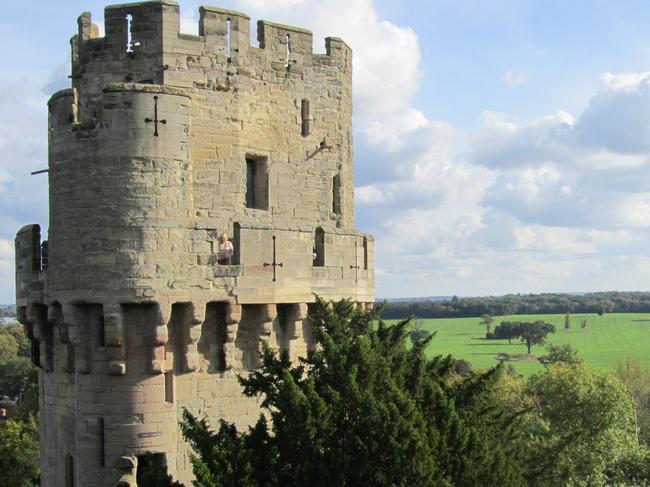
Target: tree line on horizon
{"points": [[521, 304]]}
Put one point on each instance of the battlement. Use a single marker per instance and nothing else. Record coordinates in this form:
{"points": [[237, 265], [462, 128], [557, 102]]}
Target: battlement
{"points": [[145, 38]]}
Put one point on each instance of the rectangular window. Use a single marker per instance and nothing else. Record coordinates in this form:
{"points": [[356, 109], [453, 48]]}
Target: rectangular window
{"points": [[319, 247], [102, 442], [304, 115], [250, 183], [69, 471], [336, 194], [365, 253], [257, 183], [101, 332]]}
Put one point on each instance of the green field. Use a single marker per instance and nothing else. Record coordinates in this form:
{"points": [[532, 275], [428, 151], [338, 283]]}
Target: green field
{"points": [[607, 340]]}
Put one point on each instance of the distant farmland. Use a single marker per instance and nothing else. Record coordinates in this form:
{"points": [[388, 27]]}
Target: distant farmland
{"points": [[607, 339]]}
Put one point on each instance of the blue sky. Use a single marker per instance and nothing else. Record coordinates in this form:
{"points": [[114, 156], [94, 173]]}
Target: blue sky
{"points": [[500, 146]]}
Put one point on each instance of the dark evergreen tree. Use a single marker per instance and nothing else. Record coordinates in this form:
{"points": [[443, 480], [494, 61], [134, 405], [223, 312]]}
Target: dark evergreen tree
{"points": [[364, 409]]}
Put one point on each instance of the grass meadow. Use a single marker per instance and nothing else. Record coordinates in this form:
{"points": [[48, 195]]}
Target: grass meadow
{"points": [[606, 340]]}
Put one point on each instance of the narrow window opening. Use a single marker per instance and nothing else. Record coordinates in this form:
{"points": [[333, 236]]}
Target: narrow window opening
{"points": [[250, 183], [319, 247], [169, 387], [101, 332], [304, 115], [217, 311], [257, 181], [130, 41], [336, 194], [228, 48], [69, 471], [365, 253], [286, 63], [102, 442], [44, 255]]}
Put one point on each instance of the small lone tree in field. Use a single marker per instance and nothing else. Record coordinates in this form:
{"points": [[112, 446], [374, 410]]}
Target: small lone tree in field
{"points": [[583, 324], [567, 321], [535, 333], [418, 333], [487, 321], [561, 354]]}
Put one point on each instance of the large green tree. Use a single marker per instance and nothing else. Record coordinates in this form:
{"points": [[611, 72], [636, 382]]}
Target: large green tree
{"points": [[364, 409], [19, 454], [637, 379], [535, 333], [582, 431]]}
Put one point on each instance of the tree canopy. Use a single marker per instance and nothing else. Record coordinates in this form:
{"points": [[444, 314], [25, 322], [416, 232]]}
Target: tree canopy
{"points": [[363, 409]]}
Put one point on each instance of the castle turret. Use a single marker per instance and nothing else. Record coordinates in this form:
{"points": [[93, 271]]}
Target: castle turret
{"points": [[164, 143]]}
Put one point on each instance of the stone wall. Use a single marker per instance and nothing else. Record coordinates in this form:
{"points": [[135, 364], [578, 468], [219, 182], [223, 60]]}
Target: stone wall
{"points": [[163, 142]]}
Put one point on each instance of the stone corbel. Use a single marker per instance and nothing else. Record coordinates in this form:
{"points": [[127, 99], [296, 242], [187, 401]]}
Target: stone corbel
{"points": [[300, 316], [196, 320], [233, 317], [268, 316], [160, 337], [114, 339]]}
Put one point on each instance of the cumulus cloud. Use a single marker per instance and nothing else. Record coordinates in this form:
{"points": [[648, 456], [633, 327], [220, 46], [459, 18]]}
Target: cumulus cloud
{"points": [[556, 203]]}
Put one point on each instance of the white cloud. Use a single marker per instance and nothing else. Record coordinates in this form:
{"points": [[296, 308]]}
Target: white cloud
{"points": [[369, 195], [625, 82], [515, 78]]}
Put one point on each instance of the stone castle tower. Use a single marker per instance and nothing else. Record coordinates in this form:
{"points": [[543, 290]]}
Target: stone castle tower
{"points": [[164, 142]]}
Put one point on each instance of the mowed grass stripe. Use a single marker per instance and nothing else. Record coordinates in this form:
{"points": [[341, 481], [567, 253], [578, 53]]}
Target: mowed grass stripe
{"points": [[607, 340]]}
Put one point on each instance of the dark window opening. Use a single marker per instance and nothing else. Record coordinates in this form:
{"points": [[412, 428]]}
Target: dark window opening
{"points": [[365, 253], [102, 442], [69, 471], [101, 331], [44, 255], [319, 247], [179, 334], [169, 386], [336, 194], [304, 116], [215, 330], [257, 183]]}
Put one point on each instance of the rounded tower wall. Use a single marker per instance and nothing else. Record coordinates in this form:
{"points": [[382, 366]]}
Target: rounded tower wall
{"points": [[120, 194]]}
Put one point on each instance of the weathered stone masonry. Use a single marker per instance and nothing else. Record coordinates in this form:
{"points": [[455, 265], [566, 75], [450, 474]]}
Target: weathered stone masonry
{"points": [[165, 141]]}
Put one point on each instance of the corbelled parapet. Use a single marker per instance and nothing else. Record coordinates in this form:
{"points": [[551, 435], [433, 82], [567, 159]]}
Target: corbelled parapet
{"points": [[164, 144]]}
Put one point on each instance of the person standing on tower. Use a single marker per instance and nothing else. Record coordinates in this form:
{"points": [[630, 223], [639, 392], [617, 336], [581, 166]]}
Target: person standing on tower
{"points": [[225, 251]]}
